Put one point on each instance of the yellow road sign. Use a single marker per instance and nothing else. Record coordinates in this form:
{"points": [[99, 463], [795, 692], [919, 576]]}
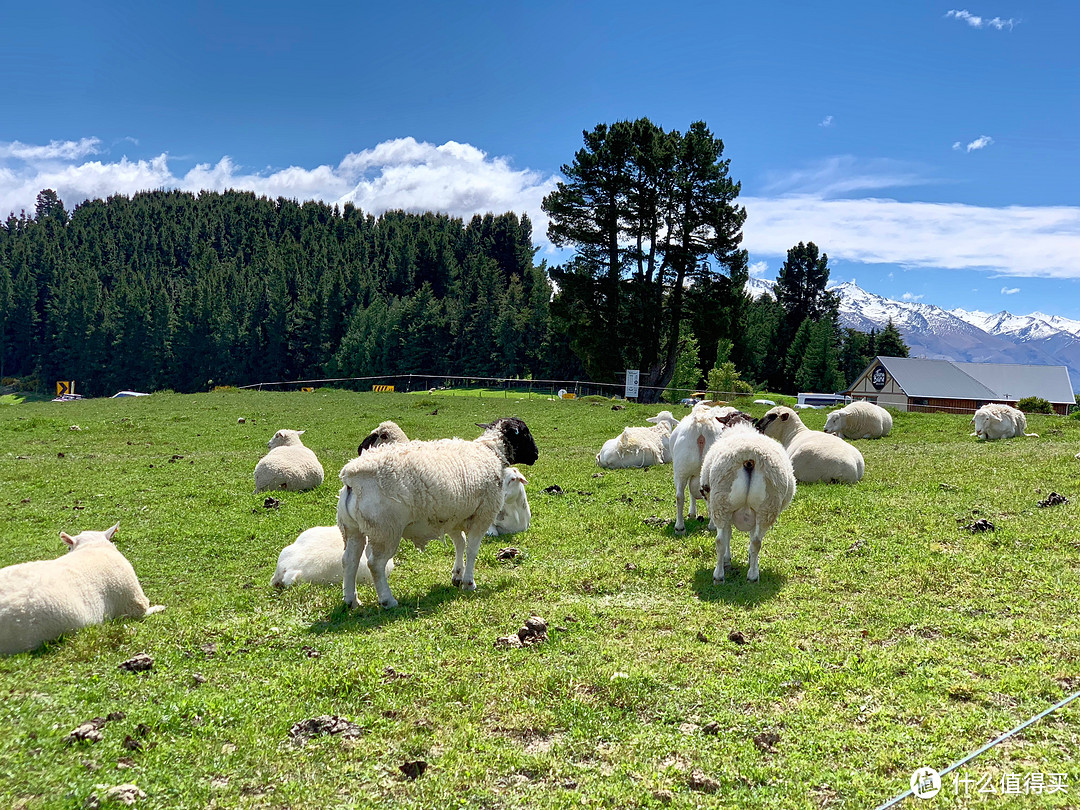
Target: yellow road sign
{"points": [[65, 387], [382, 388]]}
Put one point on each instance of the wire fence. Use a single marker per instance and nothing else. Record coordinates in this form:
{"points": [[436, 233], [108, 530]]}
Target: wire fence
{"points": [[495, 386]]}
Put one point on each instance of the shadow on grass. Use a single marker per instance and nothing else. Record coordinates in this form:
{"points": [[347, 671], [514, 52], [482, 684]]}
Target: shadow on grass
{"points": [[735, 590], [369, 615]]}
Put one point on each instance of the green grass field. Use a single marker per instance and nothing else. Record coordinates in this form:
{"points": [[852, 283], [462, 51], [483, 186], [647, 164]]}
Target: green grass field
{"points": [[882, 636]]}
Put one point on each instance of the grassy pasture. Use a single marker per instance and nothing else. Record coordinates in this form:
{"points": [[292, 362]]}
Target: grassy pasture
{"points": [[881, 637]]}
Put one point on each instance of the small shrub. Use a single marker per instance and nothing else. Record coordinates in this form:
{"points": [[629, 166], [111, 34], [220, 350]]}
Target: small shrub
{"points": [[1035, 405]]}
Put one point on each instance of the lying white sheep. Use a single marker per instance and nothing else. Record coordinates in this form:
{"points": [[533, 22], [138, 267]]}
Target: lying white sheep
{"points": [[423, 490], [639, 446], [515, 515], [748, 480], [997, 421], [386, 433], [44, 599], [859, 420], [289, 465], [690, 441], [315, 557], [815, 456]]}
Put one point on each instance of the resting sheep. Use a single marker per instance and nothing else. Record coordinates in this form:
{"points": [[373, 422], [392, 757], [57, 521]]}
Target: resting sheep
{"points": [[423, 490], [997, 421], [748, 480], [815, 456], [515, 513], [690, 441], [315, 557], [859, 420], [386, 433], [639, 446], [44, 599], [289, 465]]}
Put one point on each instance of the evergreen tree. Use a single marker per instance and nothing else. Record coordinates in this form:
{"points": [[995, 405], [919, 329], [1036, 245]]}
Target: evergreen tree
{"points": [[890, 343], [687, 375], [820, 366]]}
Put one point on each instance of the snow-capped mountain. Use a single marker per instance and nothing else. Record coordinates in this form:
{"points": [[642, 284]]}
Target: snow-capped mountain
{"points": [[970, 337]]}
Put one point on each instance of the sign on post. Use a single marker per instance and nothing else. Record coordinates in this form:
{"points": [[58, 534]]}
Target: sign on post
{"points": [[633, 377], [65, 387]]}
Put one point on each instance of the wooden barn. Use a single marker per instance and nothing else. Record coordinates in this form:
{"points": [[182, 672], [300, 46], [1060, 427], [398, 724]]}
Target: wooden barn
{"points": [[919, 384]]}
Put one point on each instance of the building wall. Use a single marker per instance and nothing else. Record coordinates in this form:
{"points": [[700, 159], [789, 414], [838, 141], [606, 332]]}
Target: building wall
{"points": [[890, 395]]}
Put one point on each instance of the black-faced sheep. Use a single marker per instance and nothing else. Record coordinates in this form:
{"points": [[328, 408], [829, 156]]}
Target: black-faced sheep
{"points": [[423, 490]]}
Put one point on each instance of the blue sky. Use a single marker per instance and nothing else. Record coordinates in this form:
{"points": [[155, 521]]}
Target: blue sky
{"points": [[931, 150]]}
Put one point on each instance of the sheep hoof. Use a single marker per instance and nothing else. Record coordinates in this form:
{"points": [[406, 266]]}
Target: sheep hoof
{"points": [[751, 579], [468, 586], [456, 580], [351, 604], [718, 576], [389, 603]]}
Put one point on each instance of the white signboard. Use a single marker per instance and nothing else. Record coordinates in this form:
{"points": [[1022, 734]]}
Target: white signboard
{"points": [[633, 376]]}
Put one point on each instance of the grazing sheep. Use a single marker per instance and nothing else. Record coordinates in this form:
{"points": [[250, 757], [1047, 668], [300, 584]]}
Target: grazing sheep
{"points": [[44, 599], [289, 465], [748, 480], [815, 456], [423, 490], [315, 557], [690, 441], [639, 446], [859, 420], [515, 513], [386, 433], [997, 421]]}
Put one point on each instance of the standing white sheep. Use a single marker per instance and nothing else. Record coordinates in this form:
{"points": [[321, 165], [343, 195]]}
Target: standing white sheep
{"points": [[690, 441], [748, 480], [515, 514], [315, 557], [859, 420], [288, 464], [44, 599], [423, 490], [815, 456], [998, 421]]}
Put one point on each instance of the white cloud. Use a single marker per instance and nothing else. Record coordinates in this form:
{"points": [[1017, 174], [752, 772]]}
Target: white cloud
{"points": [[981, 142], [454, 178], [911, 297], [844, 174], [1022, 241], [759, 269], [826, 122], [1010, 290], [957, 146], [981, 22]]}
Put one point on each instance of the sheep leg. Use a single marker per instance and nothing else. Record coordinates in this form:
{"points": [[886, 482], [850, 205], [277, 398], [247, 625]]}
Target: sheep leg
{"points": [[691, 513], [471, 552], [723, 549], [457, 576], [350, 562], [756, 535], [680, 501], [379, 556]]}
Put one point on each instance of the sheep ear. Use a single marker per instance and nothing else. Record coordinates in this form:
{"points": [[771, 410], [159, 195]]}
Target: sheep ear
{"points": [[68, 539], [111, 531], [783, 417], [300, 432], [485, 427]]}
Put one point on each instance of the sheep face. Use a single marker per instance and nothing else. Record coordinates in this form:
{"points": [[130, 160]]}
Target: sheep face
{"points": [[834, 423], [766, 422], [517, 441], [385, 433], [284, 438]]}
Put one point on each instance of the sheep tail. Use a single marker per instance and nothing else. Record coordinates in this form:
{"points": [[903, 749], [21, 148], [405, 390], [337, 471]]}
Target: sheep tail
{"points": [[1034, 435]]}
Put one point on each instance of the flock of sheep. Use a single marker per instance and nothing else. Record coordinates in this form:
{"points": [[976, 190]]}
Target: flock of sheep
{"points": [[397, 488]]}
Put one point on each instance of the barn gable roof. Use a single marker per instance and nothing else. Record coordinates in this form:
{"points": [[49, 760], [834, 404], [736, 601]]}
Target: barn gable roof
{"points": [[945, 379]]}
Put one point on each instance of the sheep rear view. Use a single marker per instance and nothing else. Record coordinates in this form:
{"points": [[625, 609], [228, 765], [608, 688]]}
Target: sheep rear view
{"points": [[748, 480], [288, 465], [859, 420], [422, 490], [91, 584], [515, 514], [690, 442]]}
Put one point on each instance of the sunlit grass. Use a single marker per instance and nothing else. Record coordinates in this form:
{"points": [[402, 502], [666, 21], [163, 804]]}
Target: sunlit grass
{"points": [[881, 637]]}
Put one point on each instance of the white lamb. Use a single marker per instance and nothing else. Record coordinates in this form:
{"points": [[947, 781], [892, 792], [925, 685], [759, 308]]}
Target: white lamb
{"points": [[639, 446], [289, 465], [859, 420], [44, 599], [815, 456], [690, 441], [748, 480], [315, 557], [997, 421], [423, 490], [515, 514]]}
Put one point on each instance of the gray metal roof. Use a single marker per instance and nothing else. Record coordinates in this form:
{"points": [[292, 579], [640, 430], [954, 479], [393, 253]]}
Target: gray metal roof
{"points": [[945, 379]]}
